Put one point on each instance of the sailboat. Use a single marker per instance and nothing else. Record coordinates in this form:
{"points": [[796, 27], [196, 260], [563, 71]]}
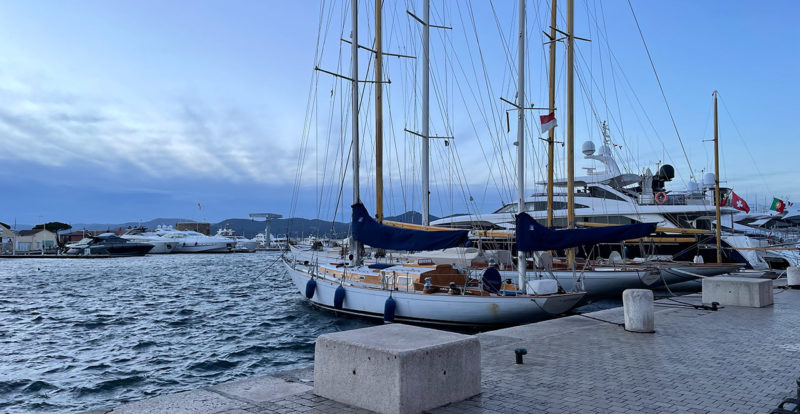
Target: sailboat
{"points": [[425, 294]]}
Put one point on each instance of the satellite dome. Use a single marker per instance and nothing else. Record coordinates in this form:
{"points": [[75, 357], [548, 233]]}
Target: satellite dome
{"points": [[588, 148], [709, 180], [693, 186]]}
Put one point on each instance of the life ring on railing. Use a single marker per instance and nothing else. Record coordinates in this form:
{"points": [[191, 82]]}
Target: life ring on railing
{"points": [[661, 197]]}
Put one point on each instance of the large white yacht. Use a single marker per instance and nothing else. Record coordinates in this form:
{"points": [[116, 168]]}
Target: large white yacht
{"points": [[188, 241], [609, 196], [161, 245], [241, 243]]}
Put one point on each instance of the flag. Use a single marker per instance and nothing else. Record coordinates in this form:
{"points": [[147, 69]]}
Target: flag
{"points": [[777, 205], [548, 122], [739, 203]]}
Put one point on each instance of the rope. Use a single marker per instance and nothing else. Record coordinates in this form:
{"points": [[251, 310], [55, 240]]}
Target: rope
{"points": [[600, 320], [664, 95]]}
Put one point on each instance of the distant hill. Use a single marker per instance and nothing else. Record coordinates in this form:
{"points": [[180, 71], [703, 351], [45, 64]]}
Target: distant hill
{"points": [[295, 227], [413, 217], [114, 226]]}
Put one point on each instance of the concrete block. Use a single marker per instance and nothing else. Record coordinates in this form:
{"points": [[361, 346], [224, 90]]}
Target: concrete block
{"points": [[397, 368], [738, 291], [793, 276], [637, 305]]}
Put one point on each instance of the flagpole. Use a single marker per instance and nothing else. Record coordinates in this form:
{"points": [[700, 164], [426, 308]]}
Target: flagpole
{"points": [[716, 181]]}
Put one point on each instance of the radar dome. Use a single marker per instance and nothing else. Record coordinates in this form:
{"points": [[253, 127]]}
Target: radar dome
{"points": [[693, 186], [709, 180], [588, 148]]}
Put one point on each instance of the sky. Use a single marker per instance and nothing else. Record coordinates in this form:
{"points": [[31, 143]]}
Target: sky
{"points": [[133, 110]]}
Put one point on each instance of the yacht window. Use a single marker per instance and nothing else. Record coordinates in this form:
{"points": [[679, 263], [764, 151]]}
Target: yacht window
{"points": [[537, 206], [600, 192]]}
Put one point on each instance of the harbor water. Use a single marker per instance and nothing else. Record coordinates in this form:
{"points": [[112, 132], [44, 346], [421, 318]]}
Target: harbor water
{"points": [[82, 334], [79, 334]]}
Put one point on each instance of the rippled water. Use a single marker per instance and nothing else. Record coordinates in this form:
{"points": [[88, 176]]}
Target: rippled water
{"points": [[80, 334]]}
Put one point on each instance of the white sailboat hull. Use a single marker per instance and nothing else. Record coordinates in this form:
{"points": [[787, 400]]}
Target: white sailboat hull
{"points": [[434, 309], [598, 283]]}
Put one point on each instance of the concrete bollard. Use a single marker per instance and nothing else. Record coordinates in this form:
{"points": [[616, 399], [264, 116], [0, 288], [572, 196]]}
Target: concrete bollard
{"points": [[793, 276], [638, 307]]}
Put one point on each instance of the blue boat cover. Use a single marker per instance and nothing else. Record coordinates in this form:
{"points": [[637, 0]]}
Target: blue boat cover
{"points": [[368, 231], [532, 236]]}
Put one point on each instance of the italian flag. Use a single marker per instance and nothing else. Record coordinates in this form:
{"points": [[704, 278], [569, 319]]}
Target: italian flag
{"points": [[777, 205], [548, 122]]}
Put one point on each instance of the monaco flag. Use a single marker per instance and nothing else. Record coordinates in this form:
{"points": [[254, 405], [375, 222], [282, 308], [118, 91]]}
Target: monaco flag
{"points": [[548, 122], [739, 203]]}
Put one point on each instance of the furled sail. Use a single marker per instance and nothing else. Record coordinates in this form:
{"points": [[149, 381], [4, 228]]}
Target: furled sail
{"points": [[532, 236], [370, 232]]}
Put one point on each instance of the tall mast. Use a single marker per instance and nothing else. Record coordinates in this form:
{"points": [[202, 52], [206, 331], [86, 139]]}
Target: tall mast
{"points": [[551, 137], [378, 111], [521, 261], [570, 127], [354, 244], [716, 180], [426, 36]]}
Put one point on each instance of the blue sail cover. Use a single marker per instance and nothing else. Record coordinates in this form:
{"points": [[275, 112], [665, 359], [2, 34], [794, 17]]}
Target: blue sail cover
{"points": [[532, 236], [368, 231]]}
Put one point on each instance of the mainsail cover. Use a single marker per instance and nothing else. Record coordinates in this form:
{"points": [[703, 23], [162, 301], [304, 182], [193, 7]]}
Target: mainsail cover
{"points": [[532, 236], [370, 232]]}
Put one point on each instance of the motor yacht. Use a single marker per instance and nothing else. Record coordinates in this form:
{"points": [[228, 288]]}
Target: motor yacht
{"points": [[108, 244], [161, 245], [241, 243], [188, 241]]}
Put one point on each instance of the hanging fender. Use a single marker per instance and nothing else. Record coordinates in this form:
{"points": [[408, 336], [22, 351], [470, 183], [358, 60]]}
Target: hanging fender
{"points": [[388, 310], [338, 297], [311, 286], [661, 197]]}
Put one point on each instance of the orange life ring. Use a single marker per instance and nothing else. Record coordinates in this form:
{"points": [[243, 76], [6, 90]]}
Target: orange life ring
{"points": [[661, 197]]}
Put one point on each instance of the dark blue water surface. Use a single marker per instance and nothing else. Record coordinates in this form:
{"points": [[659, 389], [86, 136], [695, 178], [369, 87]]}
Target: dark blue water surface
{"points": [[77, 334]]}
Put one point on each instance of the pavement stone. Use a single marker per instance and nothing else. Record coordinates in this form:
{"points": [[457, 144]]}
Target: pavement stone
{"points": [[735, 360]]}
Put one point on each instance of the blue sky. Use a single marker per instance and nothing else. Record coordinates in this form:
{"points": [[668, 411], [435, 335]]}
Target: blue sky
{"points": [[129, 110]]}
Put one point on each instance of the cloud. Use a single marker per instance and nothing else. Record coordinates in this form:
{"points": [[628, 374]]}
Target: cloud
{"points": [[178, 138]]}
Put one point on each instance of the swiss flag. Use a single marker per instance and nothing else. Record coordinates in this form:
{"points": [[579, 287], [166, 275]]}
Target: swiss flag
{"points": [[739, 203]]}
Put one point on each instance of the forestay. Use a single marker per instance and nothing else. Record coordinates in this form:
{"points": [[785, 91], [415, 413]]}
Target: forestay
{"points": [[532, 236], [368, 231]]}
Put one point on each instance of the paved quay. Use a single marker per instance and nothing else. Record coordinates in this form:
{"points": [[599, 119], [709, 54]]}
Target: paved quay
{"points": [[734, 360]]}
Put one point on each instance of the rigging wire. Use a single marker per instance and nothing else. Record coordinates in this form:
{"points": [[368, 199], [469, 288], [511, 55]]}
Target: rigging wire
{"points": [[660, 87]]}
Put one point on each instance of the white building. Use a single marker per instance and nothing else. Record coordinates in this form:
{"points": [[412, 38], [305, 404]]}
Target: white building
{"points": [[32, 240]]}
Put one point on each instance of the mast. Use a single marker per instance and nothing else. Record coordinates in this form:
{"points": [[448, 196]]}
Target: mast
{"points": [[426, 37], [521, 261], [552, 104], [354, 244], [378, 112], [716, 181], [570, 127]]}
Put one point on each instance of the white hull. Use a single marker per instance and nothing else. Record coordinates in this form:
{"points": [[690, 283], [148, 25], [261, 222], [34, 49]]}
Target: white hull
{"points": [[599, 283], [216, 247], [435, 309], [161, 247]]}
